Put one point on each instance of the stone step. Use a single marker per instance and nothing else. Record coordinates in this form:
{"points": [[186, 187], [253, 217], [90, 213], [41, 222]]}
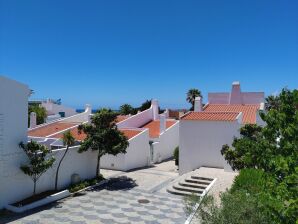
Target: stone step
{"points": [[202, 178], [194, 185], [183, 193], [197, 181], [188, 189]]}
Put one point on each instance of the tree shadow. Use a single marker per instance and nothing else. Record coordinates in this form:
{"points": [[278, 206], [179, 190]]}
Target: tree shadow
{"points": [[117, 183]]}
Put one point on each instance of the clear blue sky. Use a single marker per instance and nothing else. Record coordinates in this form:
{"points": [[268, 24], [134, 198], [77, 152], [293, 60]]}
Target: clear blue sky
{"points": [[111, 52]]}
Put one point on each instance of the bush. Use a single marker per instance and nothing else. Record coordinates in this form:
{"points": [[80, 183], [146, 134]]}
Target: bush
{"points": [[85, 183], [176, 155]]}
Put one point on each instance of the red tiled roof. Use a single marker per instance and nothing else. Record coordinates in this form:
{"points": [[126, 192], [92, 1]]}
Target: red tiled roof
{"points": [[80, 137], [249, 110], [50, 129], [211, 116], [154, 127]]}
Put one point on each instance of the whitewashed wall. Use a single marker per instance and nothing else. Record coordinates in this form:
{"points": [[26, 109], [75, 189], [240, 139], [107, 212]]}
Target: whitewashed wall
{"points": [[137, 120], [137, 154], [13, 130], [201, 142], [164, 147]]}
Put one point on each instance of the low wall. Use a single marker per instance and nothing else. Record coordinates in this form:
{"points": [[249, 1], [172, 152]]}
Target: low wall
{"points": [[167, 142], [17, 185]]}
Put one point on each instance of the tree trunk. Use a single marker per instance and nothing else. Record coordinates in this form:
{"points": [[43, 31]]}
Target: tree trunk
{"points": [[97, 167], [34, 188], [57, 171]]}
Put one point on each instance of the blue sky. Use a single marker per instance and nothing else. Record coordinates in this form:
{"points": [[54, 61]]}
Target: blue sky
{"points": [[112, 52]]}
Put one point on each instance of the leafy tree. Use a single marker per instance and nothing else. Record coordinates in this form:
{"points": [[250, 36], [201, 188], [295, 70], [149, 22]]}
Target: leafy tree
{"points": [[103, 136], [146, 105], [68, 141], [273, 149], [126, 109], [272, 102], [41, 113], [176, 155], [191, 96], [38, 163]]}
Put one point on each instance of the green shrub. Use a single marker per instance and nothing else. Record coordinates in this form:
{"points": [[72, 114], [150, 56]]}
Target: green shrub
{"points": [[85, 183], [176, 155], [251, 180]]}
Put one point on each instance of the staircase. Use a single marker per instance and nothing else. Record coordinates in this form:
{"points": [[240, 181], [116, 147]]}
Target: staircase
{"points": [[192, 185]]}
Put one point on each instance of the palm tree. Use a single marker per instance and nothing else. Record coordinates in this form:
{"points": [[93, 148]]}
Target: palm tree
{"points": [[272, 102], [68, 140], [191, 96], [126, 109]]}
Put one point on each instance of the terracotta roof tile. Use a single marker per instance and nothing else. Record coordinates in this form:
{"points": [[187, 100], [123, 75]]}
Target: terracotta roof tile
{"points": [[50, 129], [80, 137], [249, 110], [154, 127], [211, 116]]}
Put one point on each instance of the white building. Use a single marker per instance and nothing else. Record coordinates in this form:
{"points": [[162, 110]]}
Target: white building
{"points": [[204, 131]]}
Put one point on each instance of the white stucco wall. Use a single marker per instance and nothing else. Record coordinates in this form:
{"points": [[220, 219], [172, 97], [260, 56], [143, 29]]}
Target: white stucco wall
{"points": [[137, 120], [201, 142], [137, 154], [164, 146], [13, 130]]}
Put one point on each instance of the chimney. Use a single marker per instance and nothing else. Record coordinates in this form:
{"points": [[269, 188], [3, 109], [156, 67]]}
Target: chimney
{"points": [[235, 96], [33, 120], [162, 118], [198, 104], [167, 112], [88, 109], [154, 105]]}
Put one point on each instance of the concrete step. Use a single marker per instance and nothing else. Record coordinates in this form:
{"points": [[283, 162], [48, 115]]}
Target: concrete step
{"points": [[183, 193], [177, 186], [194, 185], [202, 178], [197, 181]]}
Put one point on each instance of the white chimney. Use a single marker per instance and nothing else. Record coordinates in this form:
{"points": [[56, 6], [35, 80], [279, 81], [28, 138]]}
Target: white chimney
{"points": [[167, 113], [88, 109], [33, 120], [235, 97], [198, 104], [162, 118], [154, 104]]}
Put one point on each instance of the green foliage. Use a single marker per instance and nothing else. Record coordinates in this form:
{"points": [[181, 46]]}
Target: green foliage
{"points": [[126, 109], [176, 155], [191, 96], [274, 150], [68, 140], [41, 113], [103, 135], [83, 184], [146, 105], [39, 162]]}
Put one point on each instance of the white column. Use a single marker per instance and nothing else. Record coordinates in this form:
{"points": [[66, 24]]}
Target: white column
{"points": [[235, 96], [33, 120], [154, 104], [198, 104], [163, 121]]}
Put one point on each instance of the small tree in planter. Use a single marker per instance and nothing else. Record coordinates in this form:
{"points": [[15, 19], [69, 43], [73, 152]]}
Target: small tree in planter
{"points": [[38, 163], [68, 141], [176, 155], [103, 136]]}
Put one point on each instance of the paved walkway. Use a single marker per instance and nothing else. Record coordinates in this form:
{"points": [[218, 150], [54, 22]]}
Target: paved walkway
{"points": [[120, 201]]}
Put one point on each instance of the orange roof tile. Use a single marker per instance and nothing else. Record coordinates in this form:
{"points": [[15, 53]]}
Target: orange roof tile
{"points": [[211, 116], [154, 127], [80, 137], [249, 110], [50, 129]]}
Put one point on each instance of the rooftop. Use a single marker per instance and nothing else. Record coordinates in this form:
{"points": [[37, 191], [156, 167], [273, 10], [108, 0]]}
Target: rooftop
{"points": [[249, 110], [211, 116], [50, 129], [154, 127]]}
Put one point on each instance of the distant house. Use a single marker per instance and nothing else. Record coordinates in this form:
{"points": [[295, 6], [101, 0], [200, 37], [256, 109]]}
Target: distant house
{"points": [[204, 131]]}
